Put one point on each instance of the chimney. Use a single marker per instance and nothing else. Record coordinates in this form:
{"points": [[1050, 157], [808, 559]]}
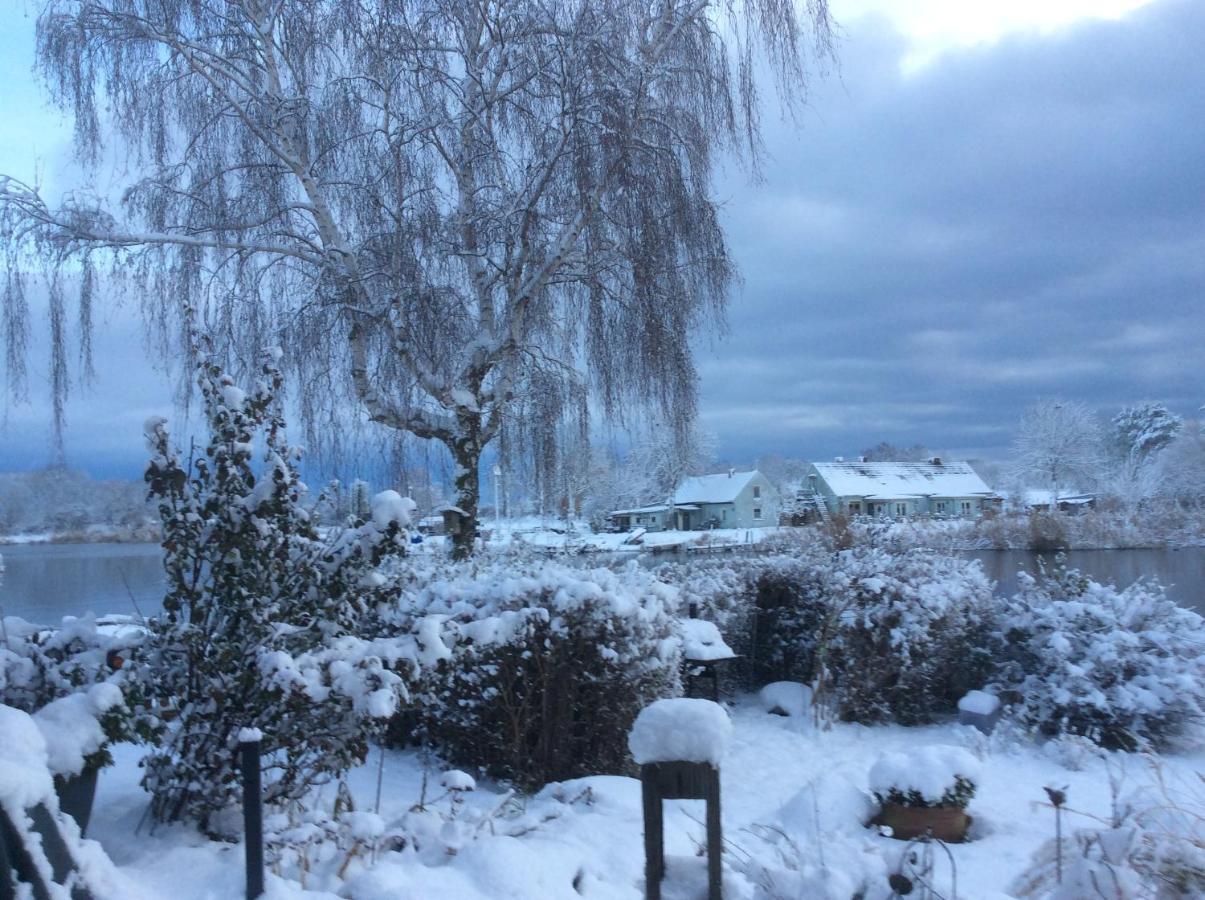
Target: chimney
{"points": [[935, 460], [862, 459], [838, 459], [731, 472]]}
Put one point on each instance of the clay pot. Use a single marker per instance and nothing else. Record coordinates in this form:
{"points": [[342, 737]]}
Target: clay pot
{"points": [[947, 823]]}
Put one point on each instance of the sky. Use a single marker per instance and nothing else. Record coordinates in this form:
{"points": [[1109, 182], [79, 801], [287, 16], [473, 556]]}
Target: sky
{"points": [[985, 204]]}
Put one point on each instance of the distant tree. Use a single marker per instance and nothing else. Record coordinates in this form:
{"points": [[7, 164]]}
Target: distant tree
{"points": [[784, 473], [885, 452], [660, 458], [1181, 467], [436, 205], [1137, 437], [1059, 444]]}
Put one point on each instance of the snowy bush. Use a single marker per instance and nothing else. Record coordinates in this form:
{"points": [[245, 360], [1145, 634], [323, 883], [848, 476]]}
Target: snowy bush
{"points": [[767, 608], [41, 667], [1123, 667], [882, 635], [262, 618], [910, 637], [552, 665], [791, 605]]}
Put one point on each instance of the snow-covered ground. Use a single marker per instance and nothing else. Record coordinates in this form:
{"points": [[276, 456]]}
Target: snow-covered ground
{"points": [[575, 536], [794, 800]]}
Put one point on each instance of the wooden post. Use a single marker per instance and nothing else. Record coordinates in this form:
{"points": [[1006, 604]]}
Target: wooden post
{"points": [[680, 781], [654, 839], [715, 837]]}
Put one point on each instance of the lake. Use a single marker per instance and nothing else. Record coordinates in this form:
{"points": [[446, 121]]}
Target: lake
{"points": [[45, 582], [1182, 571]]}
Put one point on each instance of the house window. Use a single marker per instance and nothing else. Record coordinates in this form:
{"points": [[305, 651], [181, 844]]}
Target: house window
{"points": [[901, 509], [757, 512], [855, 508], [941, 506], [724, 514], [756, 491], [966, 507]]}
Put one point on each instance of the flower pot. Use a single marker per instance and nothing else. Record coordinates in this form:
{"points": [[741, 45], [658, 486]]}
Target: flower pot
{"points": [[947, 823], [76, 795]]}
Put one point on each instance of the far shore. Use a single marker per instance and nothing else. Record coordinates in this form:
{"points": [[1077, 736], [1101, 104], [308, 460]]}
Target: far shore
{"points": [[90, 536]]}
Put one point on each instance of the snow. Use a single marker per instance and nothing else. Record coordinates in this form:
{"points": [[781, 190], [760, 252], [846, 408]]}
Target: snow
{"points": [[72, 728], [702, 642], [24, 777], [233, 396], [250, 736], [786, 697], [455, 780], [794, 802], [979, 702], [929, 771], [680, 729], [390, 506]]}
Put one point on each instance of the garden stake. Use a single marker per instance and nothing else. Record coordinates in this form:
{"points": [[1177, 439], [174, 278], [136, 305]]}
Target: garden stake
{"points": [[253, 811], [1057, 799]]}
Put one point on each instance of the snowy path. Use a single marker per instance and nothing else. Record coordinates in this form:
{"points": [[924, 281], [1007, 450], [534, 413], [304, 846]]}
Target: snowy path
{"points": [[777, 773]]}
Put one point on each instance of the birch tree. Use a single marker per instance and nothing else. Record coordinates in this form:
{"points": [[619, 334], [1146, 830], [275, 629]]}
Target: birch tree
{"points": [[1059, 444], [436, 205]]}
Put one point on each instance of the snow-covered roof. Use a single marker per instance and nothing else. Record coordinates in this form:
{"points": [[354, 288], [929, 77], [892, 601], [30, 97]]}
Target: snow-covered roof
{"points": [[1069, 495], [722, 488], [639, 510], [897, 480]]}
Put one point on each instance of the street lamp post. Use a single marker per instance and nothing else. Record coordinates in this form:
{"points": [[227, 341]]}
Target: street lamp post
{"points": [[497, 503]]}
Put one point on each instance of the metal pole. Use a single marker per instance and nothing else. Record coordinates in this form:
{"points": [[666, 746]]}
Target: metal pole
{"points": [[497, 494], [253, 810]]}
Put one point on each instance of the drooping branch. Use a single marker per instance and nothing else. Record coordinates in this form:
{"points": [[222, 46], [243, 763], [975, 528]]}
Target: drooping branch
{"points": [[440, 205]]}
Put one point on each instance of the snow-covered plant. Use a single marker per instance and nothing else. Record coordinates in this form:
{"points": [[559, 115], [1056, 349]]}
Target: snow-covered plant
{"points": [[1124, 667], [905, 634], [1151, 847], [261, 616], [553, 664], [882, 635], [932, 776], [41, 667]]}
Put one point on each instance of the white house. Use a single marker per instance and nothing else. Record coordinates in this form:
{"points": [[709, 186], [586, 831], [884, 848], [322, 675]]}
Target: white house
{"points": [[897, 489], [729, 500]]}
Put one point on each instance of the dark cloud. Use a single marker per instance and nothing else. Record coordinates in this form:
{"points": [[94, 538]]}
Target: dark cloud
{"points": [[934, 251]]}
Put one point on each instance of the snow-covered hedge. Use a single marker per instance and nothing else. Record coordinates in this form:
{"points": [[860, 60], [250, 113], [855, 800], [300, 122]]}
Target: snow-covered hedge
{"points": [[1124, 667], [907, 634], [883, 635], [550, 665]]}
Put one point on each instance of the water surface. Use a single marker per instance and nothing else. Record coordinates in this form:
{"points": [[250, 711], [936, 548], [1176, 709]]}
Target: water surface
{"points": [[45, 582]]}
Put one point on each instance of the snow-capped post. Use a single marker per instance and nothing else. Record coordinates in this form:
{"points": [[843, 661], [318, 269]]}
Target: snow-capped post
{"points": [[253, 809], [703, 649], [980, 710], [678, 744]]}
